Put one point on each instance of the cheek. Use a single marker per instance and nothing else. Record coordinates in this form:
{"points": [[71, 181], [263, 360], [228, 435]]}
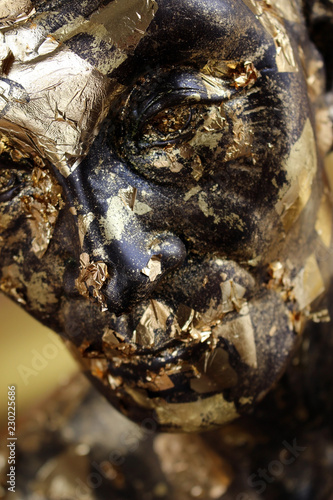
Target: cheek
{"points": [[34, 208], [35, 283]]}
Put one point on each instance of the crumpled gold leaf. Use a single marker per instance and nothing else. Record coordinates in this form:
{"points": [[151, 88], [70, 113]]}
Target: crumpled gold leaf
{"points": [[232, 296], [246, 76], [156, 382], [92, 276], [154, 317], [42, 209]]}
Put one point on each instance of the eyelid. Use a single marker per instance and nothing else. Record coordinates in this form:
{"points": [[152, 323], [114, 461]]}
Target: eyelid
{"points": [[171, 90], [178, 98]]}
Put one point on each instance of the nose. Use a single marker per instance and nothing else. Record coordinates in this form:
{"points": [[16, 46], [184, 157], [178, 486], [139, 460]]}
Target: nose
{"points": [[133, 257], [137, 266]]}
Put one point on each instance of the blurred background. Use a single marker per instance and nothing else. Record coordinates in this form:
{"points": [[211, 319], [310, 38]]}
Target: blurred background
{"points": [[32, 357]]}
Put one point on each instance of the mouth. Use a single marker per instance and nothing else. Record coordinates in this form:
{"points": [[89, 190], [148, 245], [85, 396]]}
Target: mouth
{"points": [[159, 340]]}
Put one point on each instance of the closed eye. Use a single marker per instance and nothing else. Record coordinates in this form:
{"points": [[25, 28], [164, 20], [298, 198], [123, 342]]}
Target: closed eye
{"points": [[169, 126], [165, 110]]}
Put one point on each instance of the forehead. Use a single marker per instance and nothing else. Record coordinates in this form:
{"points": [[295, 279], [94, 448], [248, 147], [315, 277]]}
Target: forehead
{"points": [[117, 27]]}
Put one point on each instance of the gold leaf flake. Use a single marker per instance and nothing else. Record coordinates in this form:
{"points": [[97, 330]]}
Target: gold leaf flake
{"points": [[240, 333], [158, 382], [83, 222], [217, 373], [92, 278], [185, 316], [301, 167], [15, 11], [126, 22], [114, 382], [192, 192], [154, 318], [129, 196], [110, 338], [154, 268], [320, 316], [308, 284], [232, 296], [197, 168], [99, 368], [245, 75], [42, 209]]}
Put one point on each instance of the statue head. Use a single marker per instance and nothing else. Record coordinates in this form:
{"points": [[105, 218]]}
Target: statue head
{"points": [[162, 202]]}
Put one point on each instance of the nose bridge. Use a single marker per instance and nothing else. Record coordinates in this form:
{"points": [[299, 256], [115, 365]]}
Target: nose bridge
{"points": [[110, 229]]}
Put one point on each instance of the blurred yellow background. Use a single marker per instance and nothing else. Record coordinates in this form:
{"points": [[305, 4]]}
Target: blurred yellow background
{"points": [[32, 357]]}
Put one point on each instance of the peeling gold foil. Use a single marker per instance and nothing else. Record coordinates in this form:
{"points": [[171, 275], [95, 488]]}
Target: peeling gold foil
{"points": [[301, 167], [84, 222], [109, 337], [232, 296], [281, 281], [14, 12], [242, 140], [125, 21], [52, 110], [308, 284], [157, 383], [216, 375], [92, 276], [246, 75], [240, 333], [129, 197], [320, 316], [42, 209], [197, 168], [154, 318]]}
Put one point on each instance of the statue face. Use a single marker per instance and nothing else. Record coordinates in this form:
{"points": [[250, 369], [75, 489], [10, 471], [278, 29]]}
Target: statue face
{"points": [[159, 195]]}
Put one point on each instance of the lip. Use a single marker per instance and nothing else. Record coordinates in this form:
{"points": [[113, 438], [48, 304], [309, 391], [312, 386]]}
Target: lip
{"points": [[171, 356], [169, 373]]}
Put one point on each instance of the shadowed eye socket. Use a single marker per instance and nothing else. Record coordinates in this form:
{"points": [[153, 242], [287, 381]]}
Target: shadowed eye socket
{"points": [[167, 110]]}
